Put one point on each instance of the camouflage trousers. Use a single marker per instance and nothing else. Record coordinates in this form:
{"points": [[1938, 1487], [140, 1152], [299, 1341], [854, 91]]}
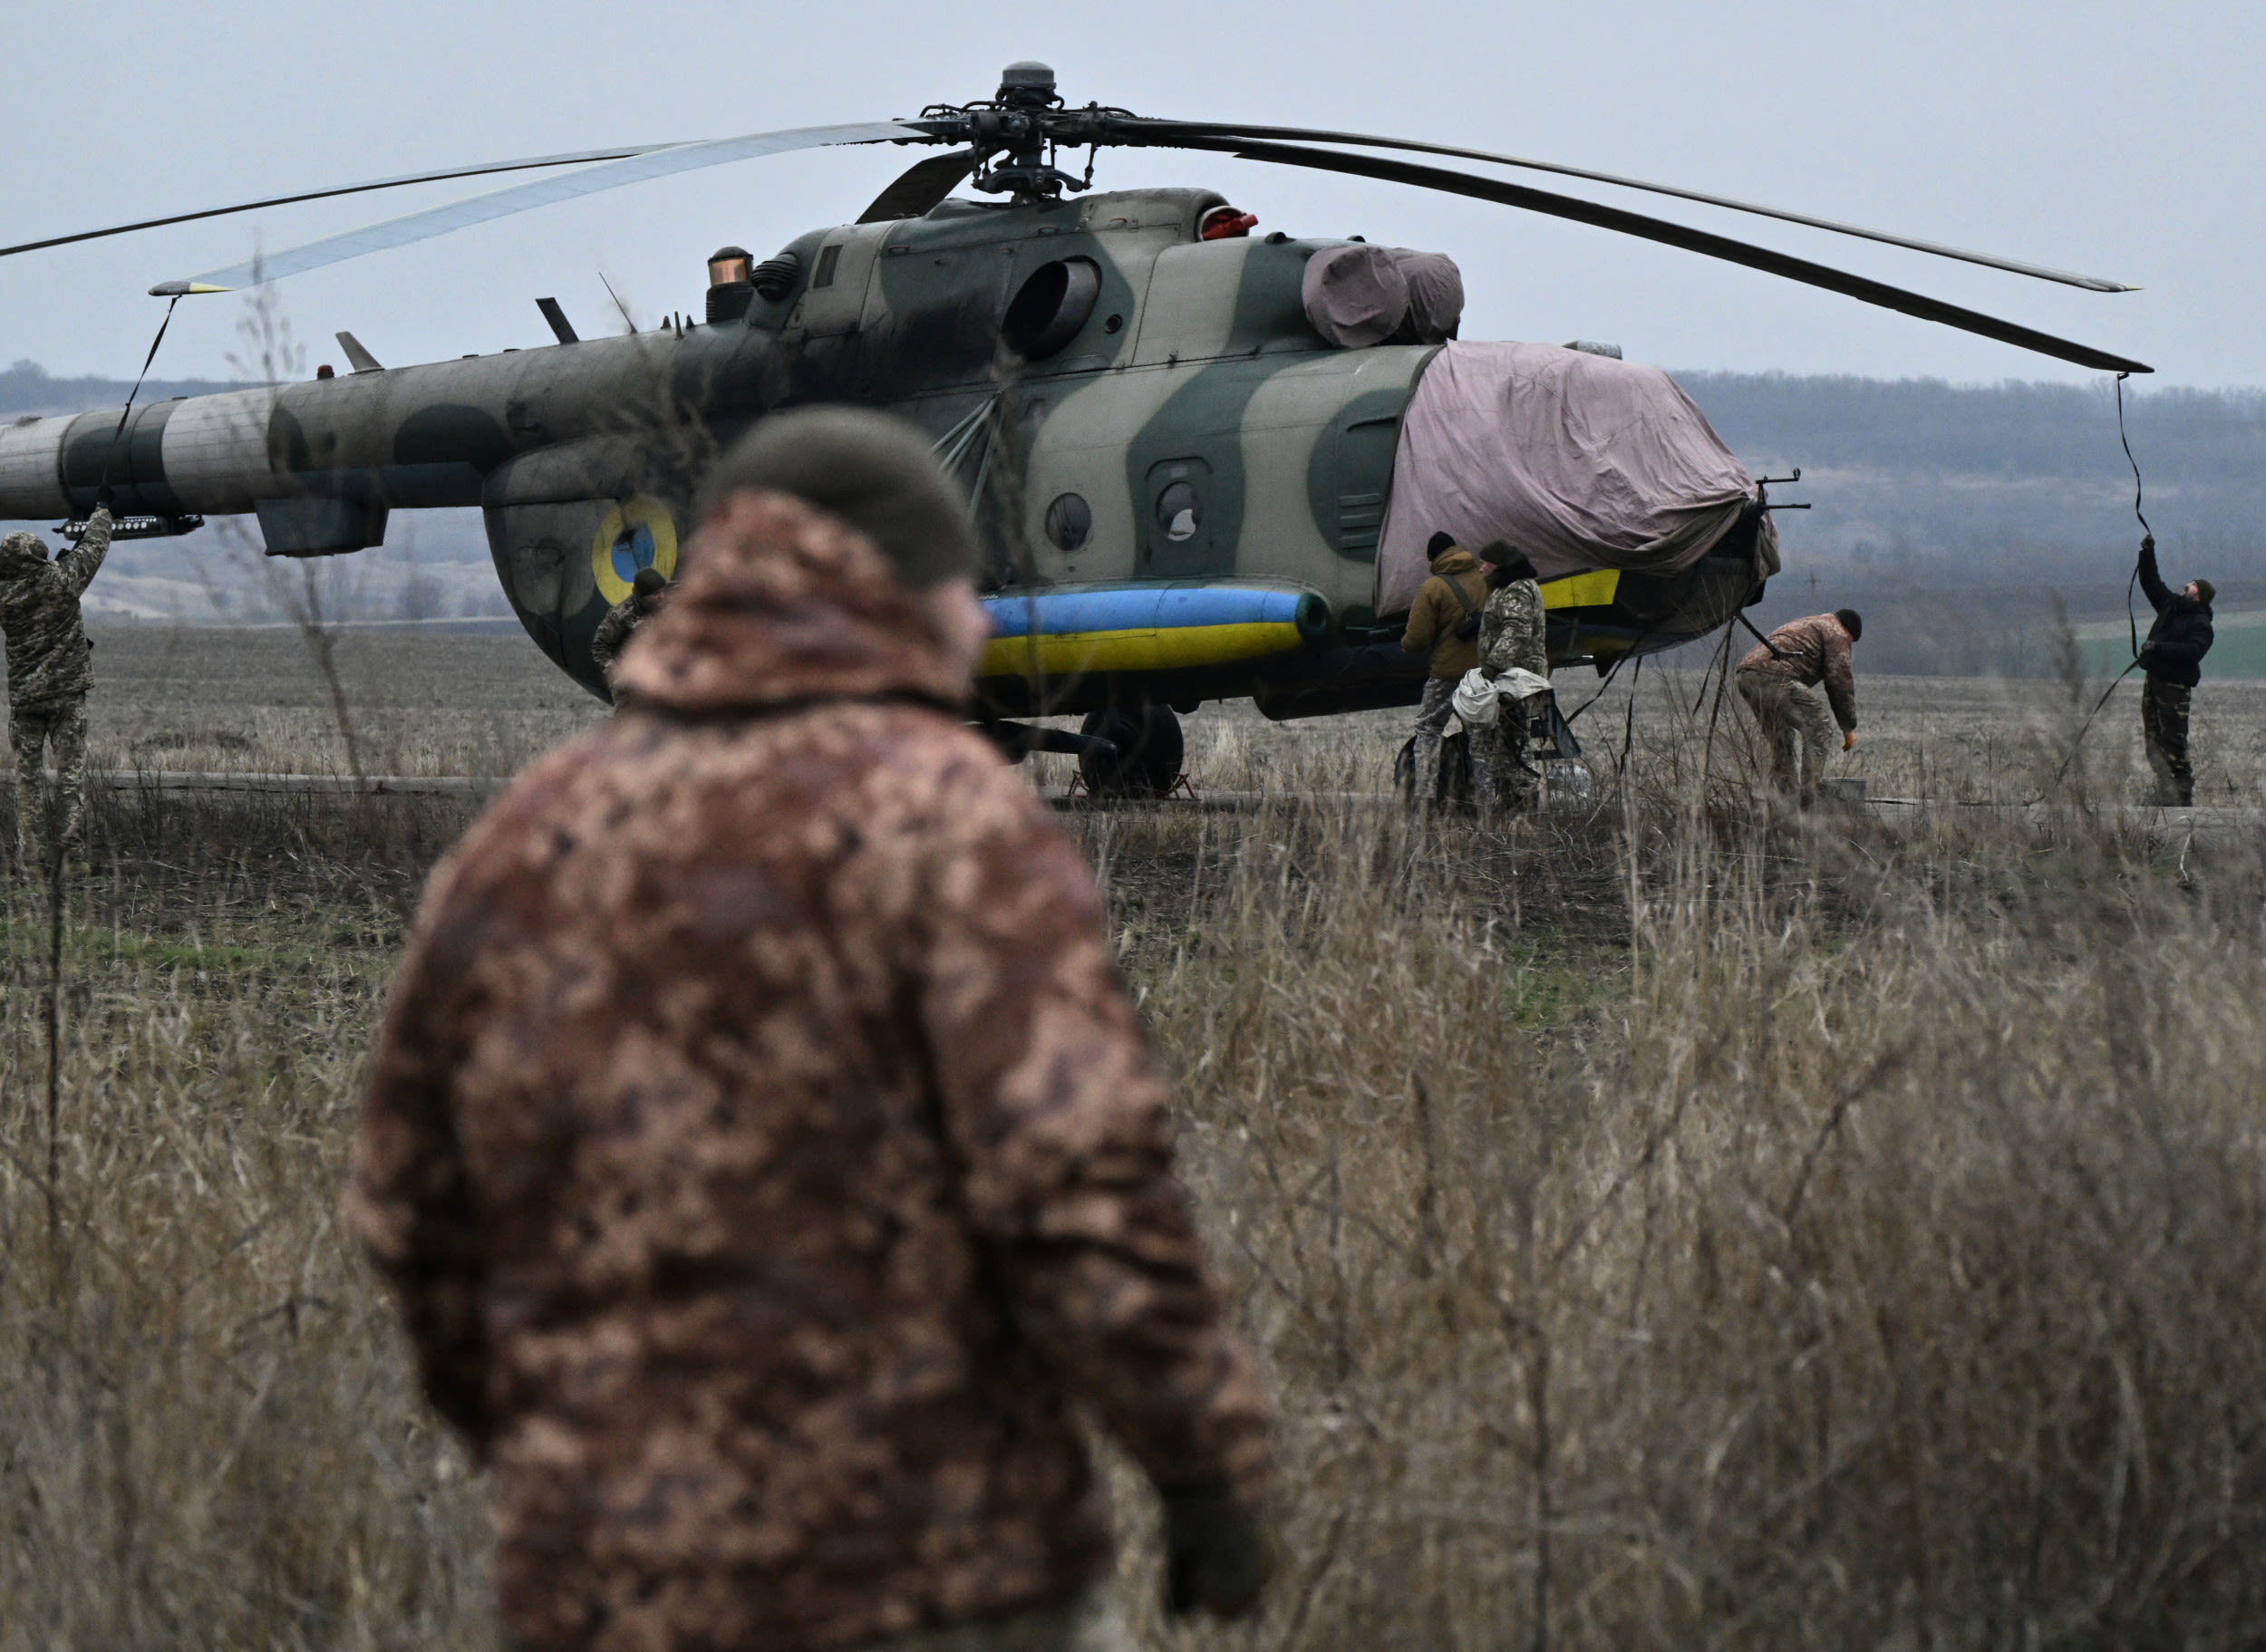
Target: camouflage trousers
{"points": [[58, 730], [1795, 726], [2163, 724], [1507, 783], [1434, 712]]}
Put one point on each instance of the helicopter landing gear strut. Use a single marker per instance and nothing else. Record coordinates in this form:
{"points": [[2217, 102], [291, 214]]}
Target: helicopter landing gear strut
{"points": [[1147, 755]]}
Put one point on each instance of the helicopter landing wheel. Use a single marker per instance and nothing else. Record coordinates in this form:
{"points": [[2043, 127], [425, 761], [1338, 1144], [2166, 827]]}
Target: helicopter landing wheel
{"points": [[1149, 751]]}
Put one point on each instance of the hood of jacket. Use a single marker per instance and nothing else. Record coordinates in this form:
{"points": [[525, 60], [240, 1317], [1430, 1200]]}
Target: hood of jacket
{"points": [[20, 553], [1455, 559], [780, 604]]}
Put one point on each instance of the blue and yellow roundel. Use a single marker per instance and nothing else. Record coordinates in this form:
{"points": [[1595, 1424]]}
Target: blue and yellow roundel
{"points": [[637, 532]]}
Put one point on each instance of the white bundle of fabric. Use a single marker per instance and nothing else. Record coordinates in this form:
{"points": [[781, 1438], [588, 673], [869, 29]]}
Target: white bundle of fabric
{"points": [[1479, 699]]}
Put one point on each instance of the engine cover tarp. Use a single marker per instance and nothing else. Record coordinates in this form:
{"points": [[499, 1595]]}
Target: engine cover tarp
{"points": [[1580, 461]]}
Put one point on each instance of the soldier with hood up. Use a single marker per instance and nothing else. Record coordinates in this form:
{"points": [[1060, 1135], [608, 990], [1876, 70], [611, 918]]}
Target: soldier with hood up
{"points": [[49, 674], [763, 1153]]}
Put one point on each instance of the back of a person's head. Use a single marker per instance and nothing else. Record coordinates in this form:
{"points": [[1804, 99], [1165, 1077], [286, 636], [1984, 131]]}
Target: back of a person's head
{"points": [[1850, 620], [649, 583], [1505, 564], [876, 472], [1438, 542], [20, 553]]}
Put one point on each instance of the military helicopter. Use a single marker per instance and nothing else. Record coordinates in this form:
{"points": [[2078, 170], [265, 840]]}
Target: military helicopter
{"points": [[1198, 453]]}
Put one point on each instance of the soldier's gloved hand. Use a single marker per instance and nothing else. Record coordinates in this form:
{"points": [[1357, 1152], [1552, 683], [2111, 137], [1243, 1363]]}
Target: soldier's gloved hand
{"points": [[2147, 544], [1216, 1554]]}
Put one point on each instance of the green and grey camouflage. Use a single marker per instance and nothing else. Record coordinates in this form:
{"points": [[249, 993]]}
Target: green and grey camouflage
{"points": [[39, 615], [1512, 635], [613, 633], [49, 674], [58, 728]]}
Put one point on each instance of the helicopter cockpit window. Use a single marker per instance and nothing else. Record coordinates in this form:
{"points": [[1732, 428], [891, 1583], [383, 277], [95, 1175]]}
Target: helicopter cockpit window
{"points": [[1051, 308], [1068, 520], [1179, 512]]}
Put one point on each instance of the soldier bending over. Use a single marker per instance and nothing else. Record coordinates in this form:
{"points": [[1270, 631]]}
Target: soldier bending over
{"points": [[764, 1154], [1775, 680], [49, 674]]}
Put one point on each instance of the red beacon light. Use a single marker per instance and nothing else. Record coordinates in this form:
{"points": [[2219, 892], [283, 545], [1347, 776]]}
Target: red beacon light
{"points": [[325, 371], [1225, 223]]}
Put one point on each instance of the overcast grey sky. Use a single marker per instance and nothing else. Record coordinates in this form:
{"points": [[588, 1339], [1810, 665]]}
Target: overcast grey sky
{"points": [[2116, 139]]}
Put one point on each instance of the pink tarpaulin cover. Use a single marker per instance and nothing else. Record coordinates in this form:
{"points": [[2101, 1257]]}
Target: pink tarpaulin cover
{"points": [[1580, 461]]}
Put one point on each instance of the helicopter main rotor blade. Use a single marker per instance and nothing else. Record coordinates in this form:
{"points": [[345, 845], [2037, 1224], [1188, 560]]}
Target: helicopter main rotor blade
{"points": [[581, 158], [1701, 241], [541, 192], [1167, 130], [920, 187]]}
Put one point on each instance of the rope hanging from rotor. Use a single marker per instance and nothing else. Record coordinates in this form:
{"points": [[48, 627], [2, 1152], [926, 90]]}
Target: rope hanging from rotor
{"points": [[2132, 625], [126, 413]]}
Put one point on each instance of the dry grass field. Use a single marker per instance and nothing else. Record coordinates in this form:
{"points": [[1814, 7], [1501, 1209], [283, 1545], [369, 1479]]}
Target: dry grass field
{"points": [[1667, 1224]]}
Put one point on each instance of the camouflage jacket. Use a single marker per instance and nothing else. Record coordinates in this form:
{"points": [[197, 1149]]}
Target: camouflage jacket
{"points": [[1512, 635], [615, 630], [39, 615], [766, 1158], [1810, 652]]}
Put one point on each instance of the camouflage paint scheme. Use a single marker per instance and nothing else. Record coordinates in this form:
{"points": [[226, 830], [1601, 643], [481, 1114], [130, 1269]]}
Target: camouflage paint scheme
{"points": [[1195, 365]]}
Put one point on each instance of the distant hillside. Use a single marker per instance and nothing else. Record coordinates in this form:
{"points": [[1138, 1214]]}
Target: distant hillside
{"points": [[1992, 485], [26, 388]]}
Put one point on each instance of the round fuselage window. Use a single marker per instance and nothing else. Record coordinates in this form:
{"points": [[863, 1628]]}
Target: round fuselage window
{"points": [[1179, 512], [1069, 519]]}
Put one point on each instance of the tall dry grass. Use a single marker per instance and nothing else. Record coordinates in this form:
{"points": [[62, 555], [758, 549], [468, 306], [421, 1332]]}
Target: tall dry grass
{"points": [[1872, 1253], [1666, 1226]]}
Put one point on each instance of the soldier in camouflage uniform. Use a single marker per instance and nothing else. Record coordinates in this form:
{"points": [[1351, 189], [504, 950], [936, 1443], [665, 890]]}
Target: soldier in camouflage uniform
{"points": [[763, 1153], [49, 674], [1512, 637], [646, 594]]}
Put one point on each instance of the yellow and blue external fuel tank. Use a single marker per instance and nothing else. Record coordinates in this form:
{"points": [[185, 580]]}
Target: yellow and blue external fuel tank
{"points": [[1114, 628]]}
